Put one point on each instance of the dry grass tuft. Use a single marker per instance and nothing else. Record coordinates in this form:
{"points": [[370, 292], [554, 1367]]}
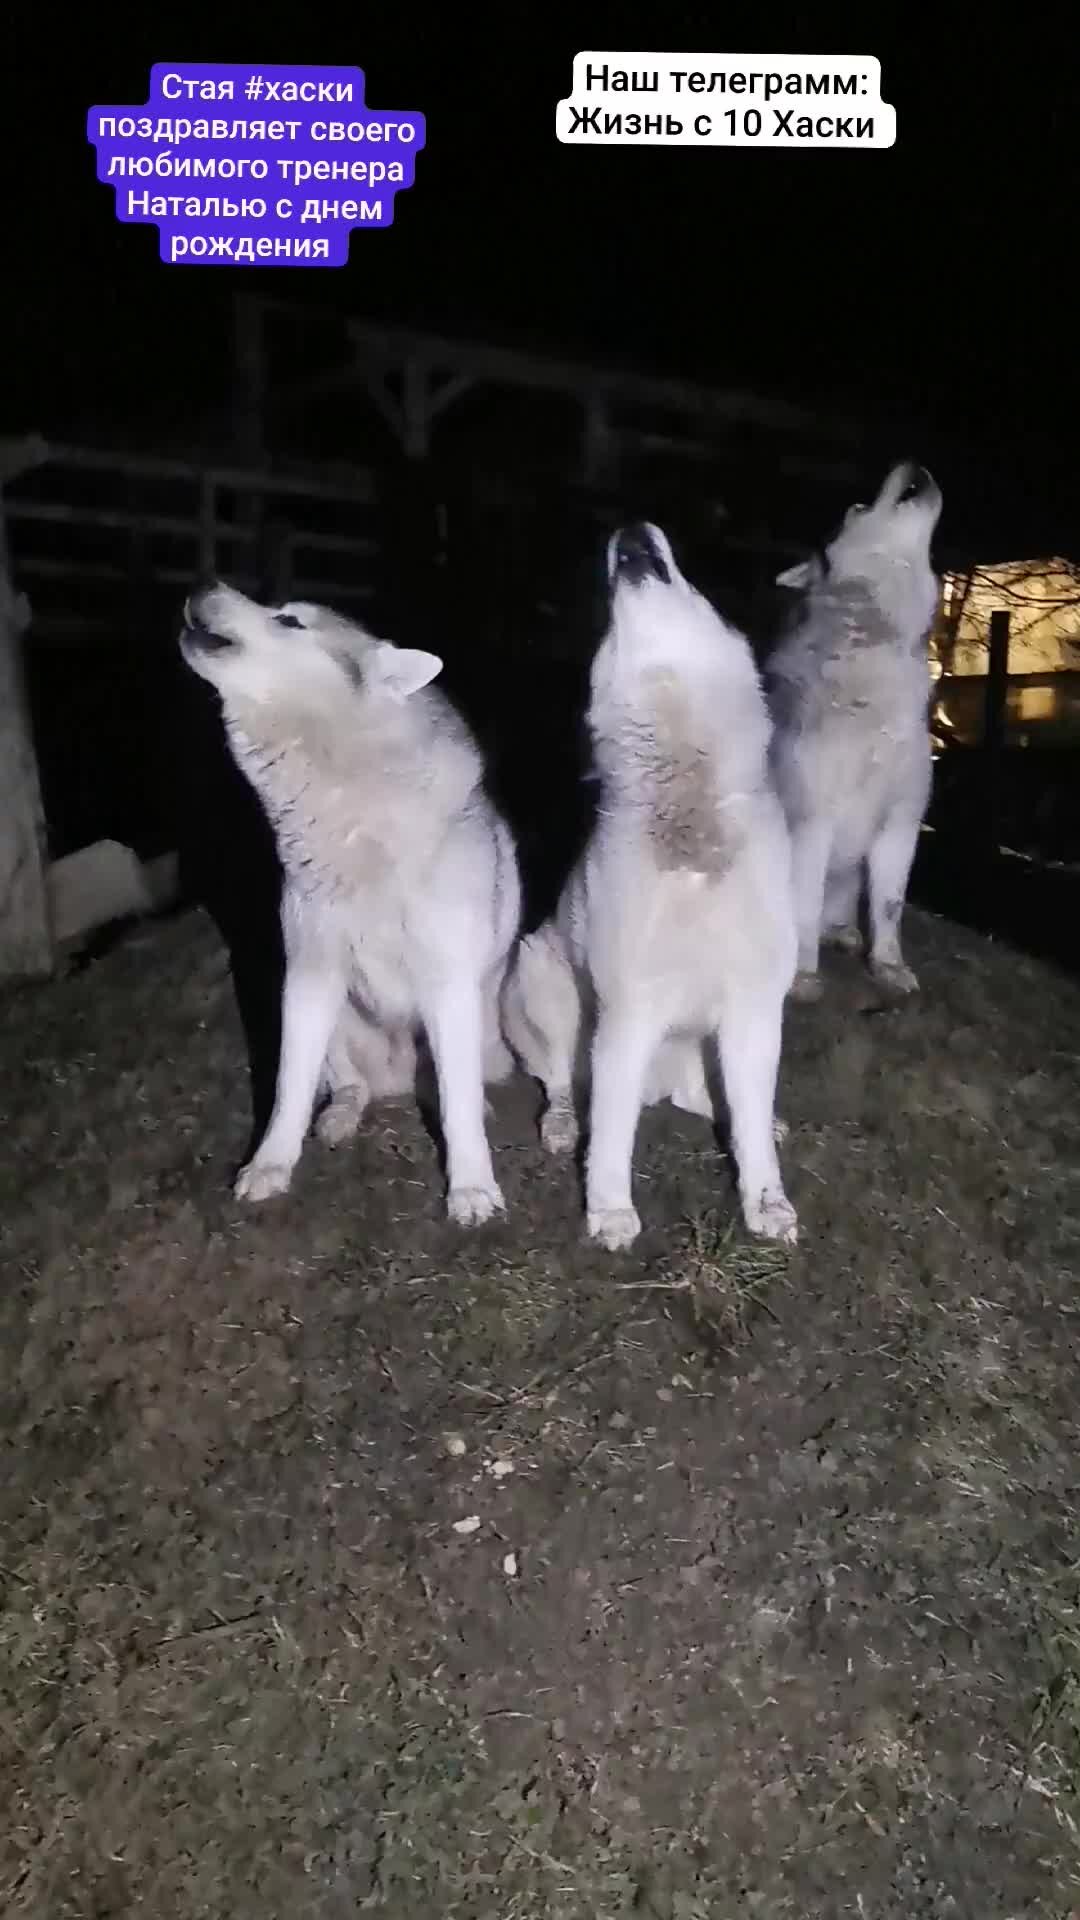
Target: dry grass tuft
{"points": [[726, 1277]]}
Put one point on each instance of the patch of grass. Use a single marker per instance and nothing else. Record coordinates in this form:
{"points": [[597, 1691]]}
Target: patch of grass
{"points": [[1052, 1760], [709, 1645], [726, 1279]]}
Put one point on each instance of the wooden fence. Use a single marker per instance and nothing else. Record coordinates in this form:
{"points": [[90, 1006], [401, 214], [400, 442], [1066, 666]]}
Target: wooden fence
{"points": [[266, 529], [97, 550]]}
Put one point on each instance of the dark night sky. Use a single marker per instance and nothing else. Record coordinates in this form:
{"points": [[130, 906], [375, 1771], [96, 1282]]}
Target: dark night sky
{"points": [[932, 284]]}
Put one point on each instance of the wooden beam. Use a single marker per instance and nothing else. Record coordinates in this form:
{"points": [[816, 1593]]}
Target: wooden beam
{"points": [[415, 418], [994, 726], [208, 550], [370, 372], [799, 466], [249, 391], [331, 380], [384, 402], [203, 528], [505, 366], [598, 449], [389, 350], [439, 398], [410, 418], [241, 577], [280, 562], [331, 480], [249, 410], [669, 443], [997, 683], [26, 939], [508, 365], [19, 456]]}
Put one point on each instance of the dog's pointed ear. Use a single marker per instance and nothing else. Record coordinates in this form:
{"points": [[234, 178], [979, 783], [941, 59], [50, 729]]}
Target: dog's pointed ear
{"points": [[803, 575], [401, 671]]}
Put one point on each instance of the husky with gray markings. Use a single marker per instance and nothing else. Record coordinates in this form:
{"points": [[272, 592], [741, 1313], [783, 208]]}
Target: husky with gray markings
{"points": [[674, 936], [401, 895], [849, 689]]}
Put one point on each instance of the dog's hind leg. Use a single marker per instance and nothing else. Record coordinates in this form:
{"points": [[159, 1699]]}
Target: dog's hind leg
{"points": [[840, 920], [892, 856], [363, 1063], [749, 1039], [542, 1013], [344, 1080], [809, 863], [677, 1073], [498, 1059]]}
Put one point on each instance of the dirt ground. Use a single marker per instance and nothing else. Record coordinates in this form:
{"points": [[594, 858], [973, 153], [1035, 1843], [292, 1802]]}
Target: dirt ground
{"points": [[353, 1564]]}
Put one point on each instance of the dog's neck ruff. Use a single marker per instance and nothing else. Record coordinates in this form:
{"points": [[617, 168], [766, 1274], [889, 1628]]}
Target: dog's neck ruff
{"points": [[679, 758]]}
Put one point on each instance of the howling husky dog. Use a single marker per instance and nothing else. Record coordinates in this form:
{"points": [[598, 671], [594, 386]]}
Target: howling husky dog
{"points": [[401, 894], [850, 695], [676, 927]]}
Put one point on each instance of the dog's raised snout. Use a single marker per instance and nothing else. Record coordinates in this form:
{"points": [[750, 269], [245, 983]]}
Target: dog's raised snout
{"points": [[200, 628], [196, 602], [915, 481], [637, 556]]}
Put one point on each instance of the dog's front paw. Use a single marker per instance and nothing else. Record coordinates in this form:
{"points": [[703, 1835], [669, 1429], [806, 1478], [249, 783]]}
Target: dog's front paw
{"points": [[262, 1180], [471, 1206], [770, 1216], [615, 1228], [780, 1131], [895, 980], [340, 1120]]}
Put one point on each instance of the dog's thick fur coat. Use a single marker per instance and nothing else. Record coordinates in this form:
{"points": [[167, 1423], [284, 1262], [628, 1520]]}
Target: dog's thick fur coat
{"points": [[675, 929], [401, 895], [849, 689]]}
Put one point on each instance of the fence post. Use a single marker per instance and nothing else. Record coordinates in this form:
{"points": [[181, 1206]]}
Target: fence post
{"points": [[276, 563], [26, 942], [249, 422], [412, 582], [997, 694], [208, 558]]}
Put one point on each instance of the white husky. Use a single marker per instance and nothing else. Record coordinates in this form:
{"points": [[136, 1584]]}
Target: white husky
{"points": [[850, 695], [401, 895], [675, 929]]}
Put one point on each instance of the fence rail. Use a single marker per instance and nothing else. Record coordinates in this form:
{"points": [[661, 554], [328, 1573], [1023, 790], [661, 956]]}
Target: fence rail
{"points": [[136, 522], [217, 543], [333, 481]]}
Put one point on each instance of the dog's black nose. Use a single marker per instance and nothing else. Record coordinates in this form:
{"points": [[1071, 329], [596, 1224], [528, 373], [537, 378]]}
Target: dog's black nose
{"points": [[637, 557], [196, 601], [917, 481], [198, 631]]}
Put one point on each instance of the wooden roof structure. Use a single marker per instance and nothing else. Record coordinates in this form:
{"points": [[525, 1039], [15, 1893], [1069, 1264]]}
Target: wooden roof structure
{"points": [[414, 378]]}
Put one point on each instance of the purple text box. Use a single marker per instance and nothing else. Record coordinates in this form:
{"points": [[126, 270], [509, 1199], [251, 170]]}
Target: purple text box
{"points": [[259, 166]]}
